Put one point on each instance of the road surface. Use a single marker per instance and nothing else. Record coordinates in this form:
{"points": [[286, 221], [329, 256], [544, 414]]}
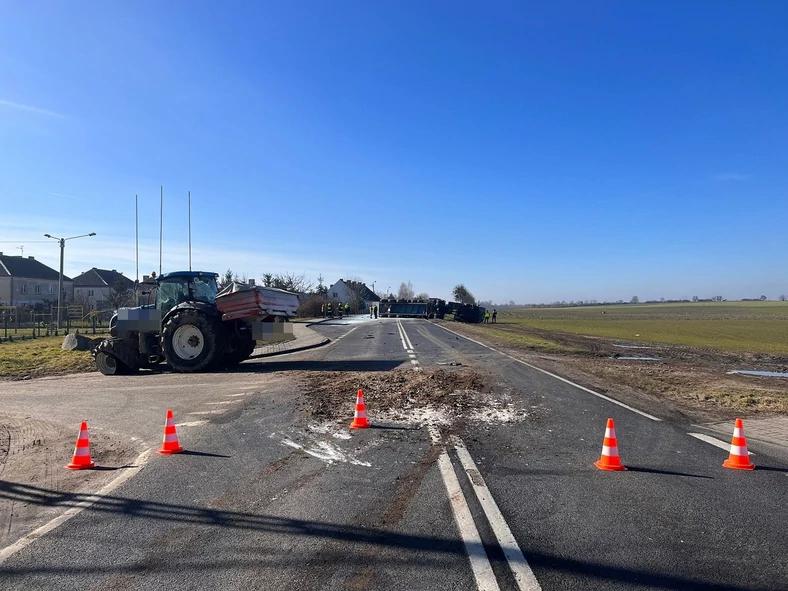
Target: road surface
{"points": [[270, 498]]}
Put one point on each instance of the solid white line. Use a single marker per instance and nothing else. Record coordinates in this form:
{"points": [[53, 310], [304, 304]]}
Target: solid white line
{"points": [[407, 338], [401, 335], [223, 402], [25, 541], [526, 580], [557, 377], [714, 441], [414, 362], [480, 564]]}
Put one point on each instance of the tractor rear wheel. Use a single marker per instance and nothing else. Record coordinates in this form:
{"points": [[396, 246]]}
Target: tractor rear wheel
{"points": [[189, 341], [243, 349]]}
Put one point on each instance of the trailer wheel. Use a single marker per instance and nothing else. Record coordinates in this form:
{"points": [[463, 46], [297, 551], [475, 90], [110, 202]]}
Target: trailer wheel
{"points": [[189, 341]]}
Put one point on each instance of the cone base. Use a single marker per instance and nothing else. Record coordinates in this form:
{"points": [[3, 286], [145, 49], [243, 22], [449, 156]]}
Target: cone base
{"points": [[73, 466], [602, 466], [168, 452], [729, 464], [360, 425]]}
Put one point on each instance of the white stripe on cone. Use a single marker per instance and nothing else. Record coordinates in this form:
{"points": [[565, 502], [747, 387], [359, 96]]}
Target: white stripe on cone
{"points": [[81, 451], [610, 433], [361, 414], [739, 450], [609, 451], [169, 438], [738, 432]]}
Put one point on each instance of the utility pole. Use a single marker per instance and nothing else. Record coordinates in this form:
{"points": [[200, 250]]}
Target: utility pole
{"points": [[62, 242], [22, 248]]}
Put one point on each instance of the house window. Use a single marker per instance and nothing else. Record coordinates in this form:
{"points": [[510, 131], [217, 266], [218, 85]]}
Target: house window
{"points": [[51, 289], [24, 289], [336, 295], [38, 290], [90, 293]]}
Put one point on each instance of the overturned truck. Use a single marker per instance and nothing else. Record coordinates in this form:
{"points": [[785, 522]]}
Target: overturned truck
{"points": [[431, 308], [194, 327]]}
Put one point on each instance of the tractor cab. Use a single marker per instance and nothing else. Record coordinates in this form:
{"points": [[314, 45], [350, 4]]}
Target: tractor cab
{"points": [[185, 286]]}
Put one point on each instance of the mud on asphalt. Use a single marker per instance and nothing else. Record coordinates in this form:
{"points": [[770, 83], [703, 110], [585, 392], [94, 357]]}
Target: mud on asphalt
{"points": [[441, 397]]}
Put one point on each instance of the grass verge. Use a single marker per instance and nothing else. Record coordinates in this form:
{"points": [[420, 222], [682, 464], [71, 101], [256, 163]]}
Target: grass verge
{"points": [[41, 357]]}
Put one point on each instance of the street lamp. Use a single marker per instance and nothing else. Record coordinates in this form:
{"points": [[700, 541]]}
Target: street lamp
{"points": [[62, 242]]}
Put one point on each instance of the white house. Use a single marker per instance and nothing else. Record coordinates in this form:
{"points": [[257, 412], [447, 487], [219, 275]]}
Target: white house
{"points": [[350, 292]]}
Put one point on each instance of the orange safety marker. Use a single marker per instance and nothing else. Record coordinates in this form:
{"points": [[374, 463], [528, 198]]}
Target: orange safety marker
{"points": [[170, 444], [360, 417], [610, 459], [81, 458], [739, 458]]}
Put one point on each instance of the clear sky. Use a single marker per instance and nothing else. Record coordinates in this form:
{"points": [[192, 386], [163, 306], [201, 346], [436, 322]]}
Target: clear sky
{"points": [[533, 151]]}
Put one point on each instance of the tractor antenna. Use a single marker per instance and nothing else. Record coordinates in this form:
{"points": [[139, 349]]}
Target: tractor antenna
{"points": [[161, 224], [190, 230]]}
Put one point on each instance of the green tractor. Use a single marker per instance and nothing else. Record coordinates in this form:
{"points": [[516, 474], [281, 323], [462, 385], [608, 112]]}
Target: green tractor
{"points": [[191, 326]]}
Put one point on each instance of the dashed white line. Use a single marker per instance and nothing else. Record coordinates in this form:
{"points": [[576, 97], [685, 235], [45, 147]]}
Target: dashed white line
{"points": [[218, 411], [557, 377], [191, 424], [25, 541], [224, 402], [526, 580]]}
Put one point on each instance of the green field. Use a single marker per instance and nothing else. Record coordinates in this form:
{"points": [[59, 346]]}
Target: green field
{"points": [[760, 327]]}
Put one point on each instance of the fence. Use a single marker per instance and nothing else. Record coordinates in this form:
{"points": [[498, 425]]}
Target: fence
{"points": [[18, 323]]}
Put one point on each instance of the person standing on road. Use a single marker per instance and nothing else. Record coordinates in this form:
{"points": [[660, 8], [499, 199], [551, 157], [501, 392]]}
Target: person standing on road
{"points": [[487, 317], [495, 315], [323, 310], [347, 309]]}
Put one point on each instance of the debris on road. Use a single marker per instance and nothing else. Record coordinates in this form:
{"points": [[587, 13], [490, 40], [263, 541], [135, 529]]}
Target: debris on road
{"points": [[430, 397]]}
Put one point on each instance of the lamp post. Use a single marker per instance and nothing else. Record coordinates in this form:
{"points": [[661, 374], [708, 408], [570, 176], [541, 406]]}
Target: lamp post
{"points": [[62, 242]]}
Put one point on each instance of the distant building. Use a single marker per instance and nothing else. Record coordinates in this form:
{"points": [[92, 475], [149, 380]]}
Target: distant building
{"points": [[352, 291], [93, 287], [26, 281]]}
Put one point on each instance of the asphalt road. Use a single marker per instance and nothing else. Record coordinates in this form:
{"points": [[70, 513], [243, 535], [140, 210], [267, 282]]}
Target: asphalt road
{"points": [[268, 499]]}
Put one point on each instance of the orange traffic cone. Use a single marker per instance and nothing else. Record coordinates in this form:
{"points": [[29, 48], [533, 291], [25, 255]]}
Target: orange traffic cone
{"points": [[170, 444], [81, 458], [360, 418], [610, 459], [739, 458]]}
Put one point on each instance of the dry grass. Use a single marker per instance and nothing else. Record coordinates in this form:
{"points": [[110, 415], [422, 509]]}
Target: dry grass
{"points": [[42, 357]]}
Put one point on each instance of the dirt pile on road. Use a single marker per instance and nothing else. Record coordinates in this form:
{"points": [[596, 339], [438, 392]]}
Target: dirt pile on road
{"points": [[431, 396]]}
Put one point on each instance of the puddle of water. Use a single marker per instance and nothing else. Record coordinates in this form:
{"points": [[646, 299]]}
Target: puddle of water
{"points": [[639, 358], [765, 374], [632, 346]]}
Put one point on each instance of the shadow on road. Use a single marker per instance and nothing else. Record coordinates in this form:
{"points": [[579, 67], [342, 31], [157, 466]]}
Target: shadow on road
{"points": [[321, 365], [666, 472], [422, 545], [188, 452]]}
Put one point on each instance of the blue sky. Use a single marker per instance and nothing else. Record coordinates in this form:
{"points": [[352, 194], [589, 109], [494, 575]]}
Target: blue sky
{"points": [[557, 151]]}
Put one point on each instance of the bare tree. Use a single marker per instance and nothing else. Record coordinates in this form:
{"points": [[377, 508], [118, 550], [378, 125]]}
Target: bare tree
{"points": [[288, 281], [423, 296], [634, 300], [763, 298], [406, 291], [120, 295], [357, 294], [462, 295], [783, 297]]}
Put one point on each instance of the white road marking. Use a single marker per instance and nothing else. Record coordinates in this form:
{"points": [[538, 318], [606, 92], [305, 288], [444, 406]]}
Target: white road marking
{"points": [[401, 335], [714, 441], [407, 338], [526, 580], [411, 355], [223, 402], [25, 541], [414, 361], [218, 411], [191, 424], [480, 564], [242, 394], [557, 377]]}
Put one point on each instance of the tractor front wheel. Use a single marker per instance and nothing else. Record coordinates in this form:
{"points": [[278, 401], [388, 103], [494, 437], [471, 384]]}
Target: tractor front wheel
{"points": [[189, 341]]}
